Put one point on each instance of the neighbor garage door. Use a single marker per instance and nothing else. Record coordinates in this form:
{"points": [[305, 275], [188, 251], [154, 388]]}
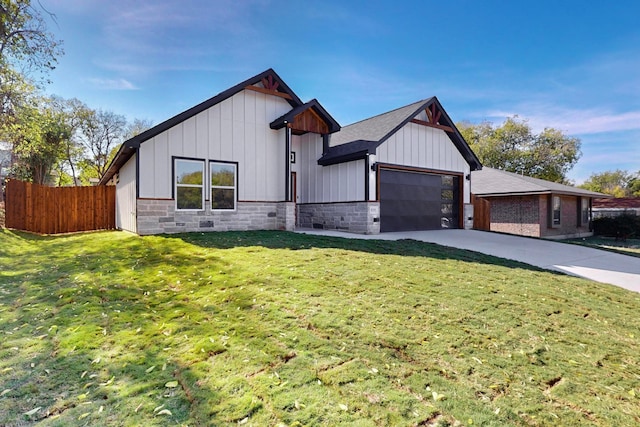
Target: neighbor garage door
{"points": [[411, 200]]}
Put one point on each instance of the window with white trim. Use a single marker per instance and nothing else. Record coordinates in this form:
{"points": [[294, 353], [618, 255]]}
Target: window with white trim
{"points": [[224, 185], [556, 211], [189, 184]]}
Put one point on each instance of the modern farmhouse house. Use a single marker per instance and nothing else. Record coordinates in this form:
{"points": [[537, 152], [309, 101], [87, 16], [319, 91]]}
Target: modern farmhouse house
{"points": [[256, 157]]}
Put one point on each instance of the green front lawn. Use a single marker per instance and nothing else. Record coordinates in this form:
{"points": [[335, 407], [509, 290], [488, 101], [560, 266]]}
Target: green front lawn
{"points": [[625, 247], [275, 328]]}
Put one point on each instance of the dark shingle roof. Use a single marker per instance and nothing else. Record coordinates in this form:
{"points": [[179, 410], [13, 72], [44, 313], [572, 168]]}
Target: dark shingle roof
{"points": [[359, 139], [378, 127], [493, 182]]}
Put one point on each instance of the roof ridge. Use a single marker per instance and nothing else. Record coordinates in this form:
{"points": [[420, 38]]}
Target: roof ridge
{"points": [[389, 112]]}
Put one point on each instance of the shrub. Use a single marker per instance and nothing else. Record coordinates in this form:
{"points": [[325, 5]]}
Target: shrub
{"points": [[623, 226]]}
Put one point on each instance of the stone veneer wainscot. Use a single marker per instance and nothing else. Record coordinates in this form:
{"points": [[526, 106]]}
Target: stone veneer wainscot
{"points": [[157, 216]]}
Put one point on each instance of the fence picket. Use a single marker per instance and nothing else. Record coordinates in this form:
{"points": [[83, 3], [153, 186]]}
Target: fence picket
{"points": [[51, 210]]}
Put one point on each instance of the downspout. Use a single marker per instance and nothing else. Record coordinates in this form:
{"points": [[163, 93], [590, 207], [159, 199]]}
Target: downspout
{"points": [[287, 163], [325, 144], [137, 175], [366, 177]]}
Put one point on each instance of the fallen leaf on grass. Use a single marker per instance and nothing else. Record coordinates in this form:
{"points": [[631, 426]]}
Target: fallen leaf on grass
{"points": [[85, 415], [150, 369], [437, 397], [171, 384], [164, 412], [343, 407], [5, 392], [33, 411]]}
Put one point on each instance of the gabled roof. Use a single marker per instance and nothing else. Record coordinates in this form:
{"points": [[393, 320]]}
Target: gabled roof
{"points": [[128, 148], [359, 139], [332, 124], [490, 182]]}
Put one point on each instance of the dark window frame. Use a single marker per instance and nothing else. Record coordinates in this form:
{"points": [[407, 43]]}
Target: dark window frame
{"points": [[174, 187], [234, 187]]}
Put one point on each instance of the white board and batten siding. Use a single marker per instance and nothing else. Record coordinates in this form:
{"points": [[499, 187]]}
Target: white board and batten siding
{"points": [[343, 182], [234, 130], [424, 147], [126, 196]]}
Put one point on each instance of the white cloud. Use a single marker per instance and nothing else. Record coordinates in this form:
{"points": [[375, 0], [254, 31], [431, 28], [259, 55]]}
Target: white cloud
{"points": [[572, 121], [112, 84]]}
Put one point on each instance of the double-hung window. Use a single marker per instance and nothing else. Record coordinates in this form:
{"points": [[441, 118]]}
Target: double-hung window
{"points": [[189, 184], [224, 180]]}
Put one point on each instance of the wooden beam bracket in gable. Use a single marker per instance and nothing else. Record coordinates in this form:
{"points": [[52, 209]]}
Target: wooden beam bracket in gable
{"points": [[432, 125], [269, 92], [433, 119]]}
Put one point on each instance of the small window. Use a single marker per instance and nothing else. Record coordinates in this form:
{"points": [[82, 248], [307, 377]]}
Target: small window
{"points": [[224, 183], [189, 184], [585, 211], [556, 209]]}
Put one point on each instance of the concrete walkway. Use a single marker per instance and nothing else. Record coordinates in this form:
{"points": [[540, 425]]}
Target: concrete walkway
{"points": [[594, 264]]}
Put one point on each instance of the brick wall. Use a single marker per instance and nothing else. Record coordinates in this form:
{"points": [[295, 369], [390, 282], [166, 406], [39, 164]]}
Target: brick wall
{"points": [[568, 219], [159, 216], [355, 217], [529, 216], [516, 215]]}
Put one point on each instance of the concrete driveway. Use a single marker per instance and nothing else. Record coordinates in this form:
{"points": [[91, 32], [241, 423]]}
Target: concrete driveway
{"points": [[598, 265]]}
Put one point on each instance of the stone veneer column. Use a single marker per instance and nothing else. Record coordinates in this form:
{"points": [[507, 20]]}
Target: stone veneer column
{"points": [[354, 217]]}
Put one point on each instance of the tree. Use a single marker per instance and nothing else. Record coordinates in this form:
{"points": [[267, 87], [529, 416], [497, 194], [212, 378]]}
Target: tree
{"points": [[75, 112], [24, 39], [617, 183], [634, 185], [37, 133], [26, 48], [101, 131], [514, 147], [136, 127]]}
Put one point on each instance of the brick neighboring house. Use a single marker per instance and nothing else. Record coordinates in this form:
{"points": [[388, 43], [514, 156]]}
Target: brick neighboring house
{"points": [[510, 203], [616, 207]]}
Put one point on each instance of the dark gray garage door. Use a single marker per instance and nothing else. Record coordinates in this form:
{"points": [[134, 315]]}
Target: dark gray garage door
{"points": [[418, 201]]}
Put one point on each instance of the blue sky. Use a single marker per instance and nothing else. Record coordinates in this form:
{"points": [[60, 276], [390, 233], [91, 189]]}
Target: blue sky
{"points": [[571, 65]]}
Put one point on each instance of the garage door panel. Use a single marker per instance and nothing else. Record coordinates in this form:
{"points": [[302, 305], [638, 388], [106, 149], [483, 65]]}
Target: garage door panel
{"points": [[416, 201]]}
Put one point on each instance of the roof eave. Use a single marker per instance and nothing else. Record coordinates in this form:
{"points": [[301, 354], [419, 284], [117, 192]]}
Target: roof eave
{"points": [[358, 155]]}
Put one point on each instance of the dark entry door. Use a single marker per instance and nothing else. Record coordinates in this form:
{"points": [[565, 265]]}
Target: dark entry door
{"points": [[417, 201]]}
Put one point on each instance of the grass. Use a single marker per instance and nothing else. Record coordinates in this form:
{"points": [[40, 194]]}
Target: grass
{"points": [[625, 247], [276, 328]]}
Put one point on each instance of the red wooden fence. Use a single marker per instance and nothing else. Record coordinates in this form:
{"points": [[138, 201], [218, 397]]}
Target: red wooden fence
{"points": [[481, 213], [51, 210]]}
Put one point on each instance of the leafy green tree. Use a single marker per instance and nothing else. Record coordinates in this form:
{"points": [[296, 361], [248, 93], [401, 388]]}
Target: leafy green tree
{"points": [[634, 185], [617, 183], [37, 133], [26, 49], [514, 147]]}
